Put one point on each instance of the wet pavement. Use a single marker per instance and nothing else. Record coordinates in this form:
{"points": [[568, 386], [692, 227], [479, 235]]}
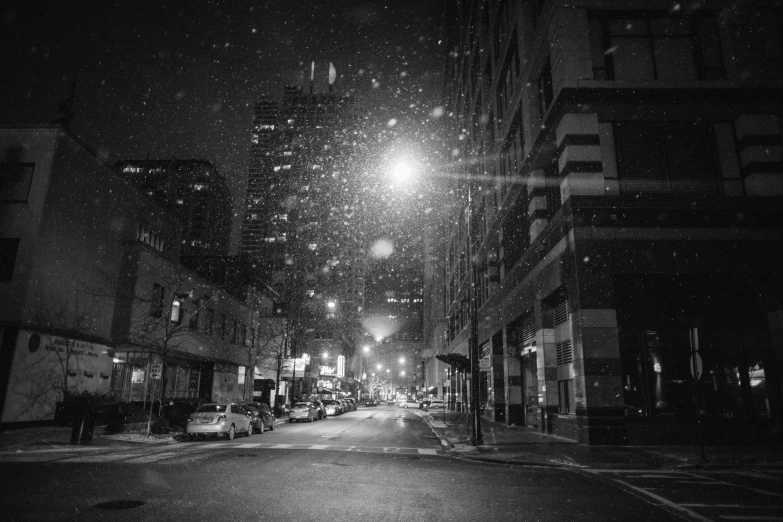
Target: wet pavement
{"points": [[519, 445]]}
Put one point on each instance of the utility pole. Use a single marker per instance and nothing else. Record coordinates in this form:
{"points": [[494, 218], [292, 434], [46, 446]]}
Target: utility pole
{"points": [[477, 438]]}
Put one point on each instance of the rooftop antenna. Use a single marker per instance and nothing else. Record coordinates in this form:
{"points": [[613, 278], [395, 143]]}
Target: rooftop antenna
{"points": [[64, 114]]}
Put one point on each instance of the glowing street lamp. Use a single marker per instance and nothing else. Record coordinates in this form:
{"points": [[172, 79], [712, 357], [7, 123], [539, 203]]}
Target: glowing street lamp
{"points": [[402, 171]]}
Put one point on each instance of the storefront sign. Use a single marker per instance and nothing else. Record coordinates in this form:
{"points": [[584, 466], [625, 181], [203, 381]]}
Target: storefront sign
{"points": [[44, 366], [340, 366], [327, 371], [241, 375], [288, 368]]}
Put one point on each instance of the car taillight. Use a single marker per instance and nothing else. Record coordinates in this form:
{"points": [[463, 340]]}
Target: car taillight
{"points": [[221, 418]]}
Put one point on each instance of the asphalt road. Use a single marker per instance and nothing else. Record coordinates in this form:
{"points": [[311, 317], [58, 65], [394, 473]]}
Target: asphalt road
{"points": [[376, 464]]}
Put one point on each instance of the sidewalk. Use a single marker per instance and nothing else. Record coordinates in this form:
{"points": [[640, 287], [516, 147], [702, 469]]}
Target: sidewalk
{"points": [[46, 436], [518, 445]]}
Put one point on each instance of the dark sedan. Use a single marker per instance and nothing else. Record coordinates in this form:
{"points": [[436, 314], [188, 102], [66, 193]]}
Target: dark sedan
{"points": [[262, 416]]}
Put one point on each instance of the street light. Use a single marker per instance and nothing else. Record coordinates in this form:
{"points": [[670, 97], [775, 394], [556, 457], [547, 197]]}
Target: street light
{"points": [[402, 173]]}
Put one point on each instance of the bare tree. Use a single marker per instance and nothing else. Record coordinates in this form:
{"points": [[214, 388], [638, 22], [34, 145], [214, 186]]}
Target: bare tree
{"points": [[158, 319], [267, 346], [375, 383]]}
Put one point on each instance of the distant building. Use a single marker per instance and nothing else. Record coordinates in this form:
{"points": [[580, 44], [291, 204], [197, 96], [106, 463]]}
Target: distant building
{"points": [[625, 205], [262, 201], [93, 299], [301, 222], [192, 190]]}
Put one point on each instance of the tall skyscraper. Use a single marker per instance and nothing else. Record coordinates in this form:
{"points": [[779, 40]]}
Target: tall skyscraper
{"points": [[301, 223], [194, 191]]}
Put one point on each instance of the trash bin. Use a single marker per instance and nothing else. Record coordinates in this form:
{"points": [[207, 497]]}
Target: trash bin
{"points": [[83, 426]]}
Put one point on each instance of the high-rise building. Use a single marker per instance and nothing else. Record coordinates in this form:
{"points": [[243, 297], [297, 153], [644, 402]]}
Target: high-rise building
{"points": [[261, 221], [301, 223], [194, 191], [617, 193]]}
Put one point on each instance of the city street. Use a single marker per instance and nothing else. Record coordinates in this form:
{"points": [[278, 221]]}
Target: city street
{"points": [[380, 463]]}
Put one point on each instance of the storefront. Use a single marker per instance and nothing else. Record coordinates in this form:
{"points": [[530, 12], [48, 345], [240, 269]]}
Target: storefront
{"points": [[698, 348]]}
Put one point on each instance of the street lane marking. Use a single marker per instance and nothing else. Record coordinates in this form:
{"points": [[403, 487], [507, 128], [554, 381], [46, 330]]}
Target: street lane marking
{"points": [[748, 517], [104, 457], [249, 445], [281, 446], [662, 500], [427, 452], [151, 458], [319, 446]]}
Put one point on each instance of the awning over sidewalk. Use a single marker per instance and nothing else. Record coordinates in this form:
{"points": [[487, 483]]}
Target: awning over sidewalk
{"points": [[457, 360]]}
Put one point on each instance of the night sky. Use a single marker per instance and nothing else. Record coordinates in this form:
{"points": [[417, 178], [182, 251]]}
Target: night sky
{"points": [[179, 79]]}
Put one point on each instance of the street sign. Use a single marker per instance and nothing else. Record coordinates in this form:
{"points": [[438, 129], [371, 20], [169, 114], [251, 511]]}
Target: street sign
{"points": [[696, 366], [156, 370]]}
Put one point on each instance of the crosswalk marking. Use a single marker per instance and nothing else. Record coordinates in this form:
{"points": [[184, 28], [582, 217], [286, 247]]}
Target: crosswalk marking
{"points": [[152, 458], [192, 451]]}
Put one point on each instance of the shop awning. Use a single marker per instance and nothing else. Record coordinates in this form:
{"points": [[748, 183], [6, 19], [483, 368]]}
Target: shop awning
{"points": [[457, 360]]}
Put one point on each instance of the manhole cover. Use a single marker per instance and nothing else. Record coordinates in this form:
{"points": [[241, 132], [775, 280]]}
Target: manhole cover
{"points": [[120, 504]]}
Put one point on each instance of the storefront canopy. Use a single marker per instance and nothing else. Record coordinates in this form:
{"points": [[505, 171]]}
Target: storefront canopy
{"points": [[457, 360]]}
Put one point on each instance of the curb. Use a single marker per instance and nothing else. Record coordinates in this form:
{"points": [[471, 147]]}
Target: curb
{"points": [[446, 443]]}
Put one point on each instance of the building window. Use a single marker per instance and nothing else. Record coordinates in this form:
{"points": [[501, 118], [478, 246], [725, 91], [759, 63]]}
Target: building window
{"points": [[516, 234], [193, 324], [156, 303], [15, 180], [210, 320], [8, 249], [655, 48], [222, 327], [565, 394], [234, 332], [545, 92], [666, 158]]}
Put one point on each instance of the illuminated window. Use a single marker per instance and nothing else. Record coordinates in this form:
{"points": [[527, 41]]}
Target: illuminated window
{"points": [[276, 169], [286, 167], [287, 153], [312, 246]]}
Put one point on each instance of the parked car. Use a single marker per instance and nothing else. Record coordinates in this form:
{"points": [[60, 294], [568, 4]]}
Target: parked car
{"points": [[303, 411], [354, 404], [436, 405], [424, 404], [390, 402], [219, 419], [370, 402], [332, 406], [349, 406], [321, 407], [409, 404], [344, 406], [261, 416]]}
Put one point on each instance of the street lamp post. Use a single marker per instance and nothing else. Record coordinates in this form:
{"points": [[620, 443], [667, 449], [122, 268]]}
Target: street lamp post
{"points": [[477, 437], [403, 171]]}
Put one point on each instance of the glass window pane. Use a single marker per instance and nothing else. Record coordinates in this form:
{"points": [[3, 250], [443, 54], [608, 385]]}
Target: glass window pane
{"points": [[674, 59], [669, 27], [627, 27], [633, 60]]}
